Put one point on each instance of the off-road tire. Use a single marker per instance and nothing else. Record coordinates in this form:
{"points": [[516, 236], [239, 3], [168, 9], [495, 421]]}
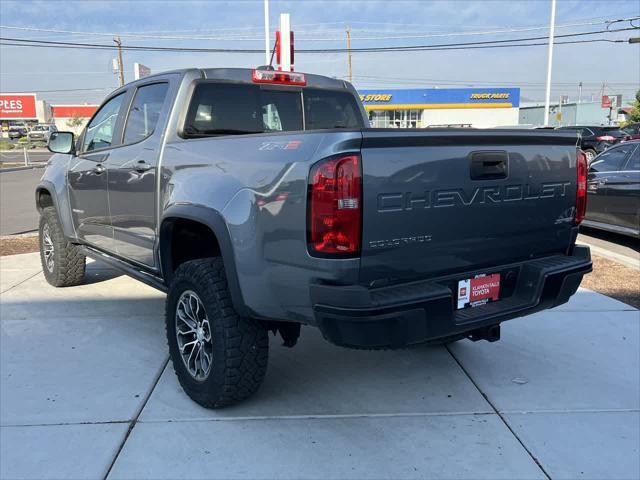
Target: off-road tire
{"points": [[240, 345], [68, 262]]}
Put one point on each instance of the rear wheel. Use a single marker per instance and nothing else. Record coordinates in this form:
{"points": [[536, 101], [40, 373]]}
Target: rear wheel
{"points": [[219, 357], [63, 264], [590, 154]]}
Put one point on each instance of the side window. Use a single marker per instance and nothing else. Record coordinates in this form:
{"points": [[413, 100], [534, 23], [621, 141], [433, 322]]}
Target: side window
{"points": [[634, 161], [99, 133], [145, 112], [611, 160], [330, 109]]}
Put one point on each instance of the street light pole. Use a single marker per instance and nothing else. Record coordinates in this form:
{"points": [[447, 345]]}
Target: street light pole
{"points": [[349, 53], [267, 43], [552, 28]]}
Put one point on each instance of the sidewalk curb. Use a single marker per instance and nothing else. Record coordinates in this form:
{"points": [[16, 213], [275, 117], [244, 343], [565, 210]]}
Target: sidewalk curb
{"points": [[625, 260], [17, 169]]}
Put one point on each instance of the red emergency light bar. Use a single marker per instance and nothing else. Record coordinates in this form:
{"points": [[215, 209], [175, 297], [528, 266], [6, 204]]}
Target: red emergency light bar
{"points": [[279, 77]]}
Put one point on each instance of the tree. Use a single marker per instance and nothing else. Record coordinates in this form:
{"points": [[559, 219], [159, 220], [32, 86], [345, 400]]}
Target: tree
{"points": [[634, 114], [75, 121]]}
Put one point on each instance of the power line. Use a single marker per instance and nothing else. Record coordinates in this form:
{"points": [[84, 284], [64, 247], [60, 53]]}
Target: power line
{"points": [[405, 48], [243, 37]]}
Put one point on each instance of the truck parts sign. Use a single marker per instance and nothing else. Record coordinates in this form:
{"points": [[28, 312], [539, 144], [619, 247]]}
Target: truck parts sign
{"points": [[17, 106]]}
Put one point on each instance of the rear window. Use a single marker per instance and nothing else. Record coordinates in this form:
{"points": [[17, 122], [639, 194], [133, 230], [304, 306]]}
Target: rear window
{"points": [[227, 109], [613, 131], [330, 109]]}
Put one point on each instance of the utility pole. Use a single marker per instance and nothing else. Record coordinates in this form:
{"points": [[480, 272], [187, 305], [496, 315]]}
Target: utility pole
{"points": [[552, 28], [349, 53], [118, 42], [267, 43]]}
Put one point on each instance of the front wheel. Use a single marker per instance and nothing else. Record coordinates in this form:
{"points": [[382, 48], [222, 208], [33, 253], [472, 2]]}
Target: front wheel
{"points": [[219, 357], [63, 264]]}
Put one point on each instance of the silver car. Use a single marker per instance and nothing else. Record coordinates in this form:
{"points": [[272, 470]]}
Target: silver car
{"points": [[41, 133]]}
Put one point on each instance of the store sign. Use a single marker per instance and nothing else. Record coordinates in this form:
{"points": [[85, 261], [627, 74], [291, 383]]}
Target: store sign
{"points": [[140, 71], [606, 101], [424, 98], [17, 106], [376, 97], [490, 96]]}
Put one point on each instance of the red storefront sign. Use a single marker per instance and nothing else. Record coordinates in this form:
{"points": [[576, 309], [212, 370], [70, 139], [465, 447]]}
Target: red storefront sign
{"points": [[64, 111], [17, 106], [606, 101]]}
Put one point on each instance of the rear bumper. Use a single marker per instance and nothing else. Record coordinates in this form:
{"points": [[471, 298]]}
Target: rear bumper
{"points": [[417, 312]]}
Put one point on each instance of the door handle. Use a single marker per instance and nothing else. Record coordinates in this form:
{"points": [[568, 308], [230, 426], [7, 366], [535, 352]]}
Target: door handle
{"points": [[99, 169], [142, 166]]}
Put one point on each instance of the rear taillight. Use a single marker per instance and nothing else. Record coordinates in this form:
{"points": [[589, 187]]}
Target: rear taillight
{"points": [[606, 138], [581, 190], [335, 206]]}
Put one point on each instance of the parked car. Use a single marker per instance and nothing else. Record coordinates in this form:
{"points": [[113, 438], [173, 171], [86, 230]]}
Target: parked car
{"points": [[595, 140], [632, 132], [41, 133], [261, 201], [17, 131], [613, 188]]}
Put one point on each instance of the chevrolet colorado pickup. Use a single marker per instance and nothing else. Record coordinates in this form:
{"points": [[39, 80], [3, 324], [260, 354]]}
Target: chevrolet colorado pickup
{"points": [[261, 201]]}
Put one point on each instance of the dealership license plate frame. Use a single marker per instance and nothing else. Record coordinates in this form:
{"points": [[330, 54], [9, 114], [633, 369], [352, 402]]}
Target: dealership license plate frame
{"points": [[478, 290]]}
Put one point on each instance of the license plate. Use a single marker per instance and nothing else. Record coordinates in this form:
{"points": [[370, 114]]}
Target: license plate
{"points": [[478, 290]]}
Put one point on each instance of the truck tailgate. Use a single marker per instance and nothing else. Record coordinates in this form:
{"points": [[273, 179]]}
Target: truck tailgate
{"points": [[447, 201]]}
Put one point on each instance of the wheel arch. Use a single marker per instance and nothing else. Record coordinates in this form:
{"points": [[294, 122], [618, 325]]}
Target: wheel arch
{"points": [[192, 218], [45, 197]]}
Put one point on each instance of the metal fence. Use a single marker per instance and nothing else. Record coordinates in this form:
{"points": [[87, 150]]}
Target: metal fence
{"points": [[24, 155]]}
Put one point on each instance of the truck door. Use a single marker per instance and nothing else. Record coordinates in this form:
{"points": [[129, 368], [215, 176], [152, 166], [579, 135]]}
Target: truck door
{"points": [[623, 192], [132, 173], [87, 175]]}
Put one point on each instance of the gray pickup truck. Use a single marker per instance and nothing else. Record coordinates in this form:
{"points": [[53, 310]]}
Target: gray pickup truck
{"points": [[261, 201]]}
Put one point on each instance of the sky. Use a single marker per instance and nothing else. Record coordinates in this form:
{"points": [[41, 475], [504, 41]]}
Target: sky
{"points": [[69, 75]]}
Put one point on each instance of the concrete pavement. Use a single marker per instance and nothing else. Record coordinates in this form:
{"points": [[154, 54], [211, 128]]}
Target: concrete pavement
{"points": [[86, 392]]}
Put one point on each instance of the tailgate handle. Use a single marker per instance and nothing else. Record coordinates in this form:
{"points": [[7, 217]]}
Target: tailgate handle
{"points": [[488, 165]]}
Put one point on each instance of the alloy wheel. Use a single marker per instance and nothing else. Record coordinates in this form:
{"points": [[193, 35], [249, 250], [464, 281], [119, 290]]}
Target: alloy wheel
{"points": [[47, 248], [193, 333]]}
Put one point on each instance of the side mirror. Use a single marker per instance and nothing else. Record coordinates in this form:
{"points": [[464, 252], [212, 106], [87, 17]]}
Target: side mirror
{"points": [[61, 142]]}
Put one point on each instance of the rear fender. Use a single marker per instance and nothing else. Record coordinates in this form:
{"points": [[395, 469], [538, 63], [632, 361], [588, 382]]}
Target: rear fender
{"points": [[216, 223]]}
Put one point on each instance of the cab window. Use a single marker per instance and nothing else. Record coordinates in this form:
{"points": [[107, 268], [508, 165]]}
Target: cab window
{"points": [[100, 131], [145, 112]]}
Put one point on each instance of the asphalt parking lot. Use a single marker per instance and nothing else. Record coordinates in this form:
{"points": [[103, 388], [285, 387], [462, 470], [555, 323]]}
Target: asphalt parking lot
{"points": [[18, 212], [87, 393]]}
